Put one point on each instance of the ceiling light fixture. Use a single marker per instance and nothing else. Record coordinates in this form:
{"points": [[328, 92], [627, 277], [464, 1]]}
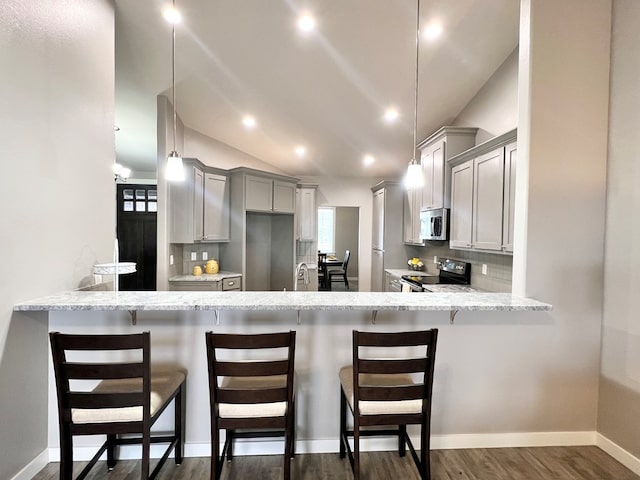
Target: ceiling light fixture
{"points": [[368, 160], [306, 22], [175, 168], [172, 15], [300, 151], [249, 121], [414, 177], [120, 172], [433, 31], [391, 115]]}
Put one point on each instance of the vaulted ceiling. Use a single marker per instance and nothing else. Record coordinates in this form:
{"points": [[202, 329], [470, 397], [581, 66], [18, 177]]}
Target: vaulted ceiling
{"points": [[326, 90]]}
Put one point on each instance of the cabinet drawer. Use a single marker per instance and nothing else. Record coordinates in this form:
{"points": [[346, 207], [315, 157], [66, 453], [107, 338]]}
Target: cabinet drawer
{"points": [[234, 283], [194, 286]]}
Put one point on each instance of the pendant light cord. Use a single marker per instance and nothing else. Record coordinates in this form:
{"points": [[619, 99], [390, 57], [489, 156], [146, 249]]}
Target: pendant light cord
{"points": [[173, 76], [415, 106]]}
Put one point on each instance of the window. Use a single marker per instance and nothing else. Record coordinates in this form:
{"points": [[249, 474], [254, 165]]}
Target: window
{"points": [[326, 229]]}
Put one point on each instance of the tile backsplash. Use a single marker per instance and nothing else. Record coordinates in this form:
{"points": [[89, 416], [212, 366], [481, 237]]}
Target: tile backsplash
{"points": [[306, 251], [499, 267], [182, 263]]}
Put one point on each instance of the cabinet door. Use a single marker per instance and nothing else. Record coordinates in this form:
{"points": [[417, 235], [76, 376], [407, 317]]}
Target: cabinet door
{"points": [[306, 211], [487, 200], [377, 271], [412, 204], [437, 181], [284, 197], [216, 208], [432, 159], [198, 203], [259, 193], [461, 205], [510, 160], [378, 220]]}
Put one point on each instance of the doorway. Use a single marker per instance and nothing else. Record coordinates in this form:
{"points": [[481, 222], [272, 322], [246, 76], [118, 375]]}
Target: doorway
{"points": [[137, 207]]}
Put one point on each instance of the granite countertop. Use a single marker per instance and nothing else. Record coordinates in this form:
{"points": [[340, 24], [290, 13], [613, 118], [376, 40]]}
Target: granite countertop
{"points": [[205, 277], [157, 301], [398, 272]]}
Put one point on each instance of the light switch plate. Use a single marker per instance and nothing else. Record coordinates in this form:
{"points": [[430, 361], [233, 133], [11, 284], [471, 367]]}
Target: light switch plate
{"points": [[484, 268], [170, 259], [194, 256], [435, 259], [205, 255]]}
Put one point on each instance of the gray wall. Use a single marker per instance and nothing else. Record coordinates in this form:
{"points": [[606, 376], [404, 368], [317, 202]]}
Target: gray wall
{"points": [[57, 198], [619, 396], [347, 226]]}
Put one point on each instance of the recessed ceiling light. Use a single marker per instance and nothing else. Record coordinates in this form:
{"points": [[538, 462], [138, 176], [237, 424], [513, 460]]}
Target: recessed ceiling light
{"points": [[300, 151], [433, 30], [390, 115], [368, 160], [306, 22], [172, 15], [249, 121]]}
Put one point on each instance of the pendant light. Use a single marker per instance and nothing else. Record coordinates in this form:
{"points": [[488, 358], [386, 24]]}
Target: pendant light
{"points": [[414, 178], [175, 169]]}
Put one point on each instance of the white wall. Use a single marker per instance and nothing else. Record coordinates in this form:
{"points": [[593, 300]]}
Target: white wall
{"points": [[57, 196], [351, 192], [619, 400], [214, 153], [494, 109]]}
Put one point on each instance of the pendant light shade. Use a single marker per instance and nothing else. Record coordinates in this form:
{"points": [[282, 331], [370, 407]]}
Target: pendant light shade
{"points": [[175, 169], [414, 178]]}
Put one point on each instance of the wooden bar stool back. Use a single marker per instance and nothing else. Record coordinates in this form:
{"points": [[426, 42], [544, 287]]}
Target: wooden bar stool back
{"points": [[256, 396], [124, 397], [383, 392]]}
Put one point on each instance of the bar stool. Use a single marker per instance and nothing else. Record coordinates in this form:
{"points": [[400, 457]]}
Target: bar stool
{"points": [[250, 394], [382, 392], [128, 399]]}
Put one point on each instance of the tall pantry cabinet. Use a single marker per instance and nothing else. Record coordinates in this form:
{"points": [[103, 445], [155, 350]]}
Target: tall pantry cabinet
{"points": [[387, 246]]}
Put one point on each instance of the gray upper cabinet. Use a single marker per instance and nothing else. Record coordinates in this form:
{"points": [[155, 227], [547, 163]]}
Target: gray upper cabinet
{"points": [[263, 194], [306, 214], [510, 160], [199, 206], [435, 151], [411, 210], [461, 205], [259, 193], [284, 197], [488, 174], [482, 196], [216, 208], [377, 242]]}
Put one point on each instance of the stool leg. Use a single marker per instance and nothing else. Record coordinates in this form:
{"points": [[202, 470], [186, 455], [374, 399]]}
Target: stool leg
{"points": [[230, 449], [180, 404], [402, 444], [66, 454], [343, 423], [111, 447], [356, 451], [215, 449]]}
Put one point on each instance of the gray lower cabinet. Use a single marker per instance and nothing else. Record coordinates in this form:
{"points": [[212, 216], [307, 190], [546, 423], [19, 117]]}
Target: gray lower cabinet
{"points": [[226, 284]]}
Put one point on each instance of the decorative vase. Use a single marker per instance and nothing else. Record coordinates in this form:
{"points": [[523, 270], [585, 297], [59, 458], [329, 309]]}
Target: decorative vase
{"points": [[211, 267]]}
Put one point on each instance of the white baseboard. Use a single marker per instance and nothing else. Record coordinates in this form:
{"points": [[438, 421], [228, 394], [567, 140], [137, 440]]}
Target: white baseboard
{"points": [[33, 467], [438, 442], [620, 454]]}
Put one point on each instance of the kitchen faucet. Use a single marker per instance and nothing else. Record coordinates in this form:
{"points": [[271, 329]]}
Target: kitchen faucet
{"points": [[302, 272]]}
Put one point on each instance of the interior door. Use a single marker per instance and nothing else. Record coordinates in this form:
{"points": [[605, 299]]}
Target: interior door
{"points": [[137, 234]]}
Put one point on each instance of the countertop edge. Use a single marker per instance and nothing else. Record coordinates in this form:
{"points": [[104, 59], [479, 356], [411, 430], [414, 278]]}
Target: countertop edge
{"points": [[272, 301]]}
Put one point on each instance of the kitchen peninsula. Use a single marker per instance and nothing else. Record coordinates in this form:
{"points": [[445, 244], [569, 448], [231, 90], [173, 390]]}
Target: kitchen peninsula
{"points": [[323, 322]]}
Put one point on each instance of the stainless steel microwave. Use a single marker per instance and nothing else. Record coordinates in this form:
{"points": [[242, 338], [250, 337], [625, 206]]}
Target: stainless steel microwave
{"points": [[434, 224]]}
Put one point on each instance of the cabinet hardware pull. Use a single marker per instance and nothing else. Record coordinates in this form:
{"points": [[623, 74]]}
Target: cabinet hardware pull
{"points": [[232, 284]]}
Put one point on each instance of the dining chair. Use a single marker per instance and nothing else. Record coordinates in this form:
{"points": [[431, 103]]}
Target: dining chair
{"points": [[322, 270], [341, 273], [125, 396], [389, 391], [256, 396]]}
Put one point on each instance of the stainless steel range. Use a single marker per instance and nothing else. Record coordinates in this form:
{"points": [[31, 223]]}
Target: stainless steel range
{"points": [[456, 275]]}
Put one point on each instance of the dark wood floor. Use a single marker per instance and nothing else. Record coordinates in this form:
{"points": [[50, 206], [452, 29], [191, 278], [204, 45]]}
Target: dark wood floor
{"points": [[542, 463]]}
